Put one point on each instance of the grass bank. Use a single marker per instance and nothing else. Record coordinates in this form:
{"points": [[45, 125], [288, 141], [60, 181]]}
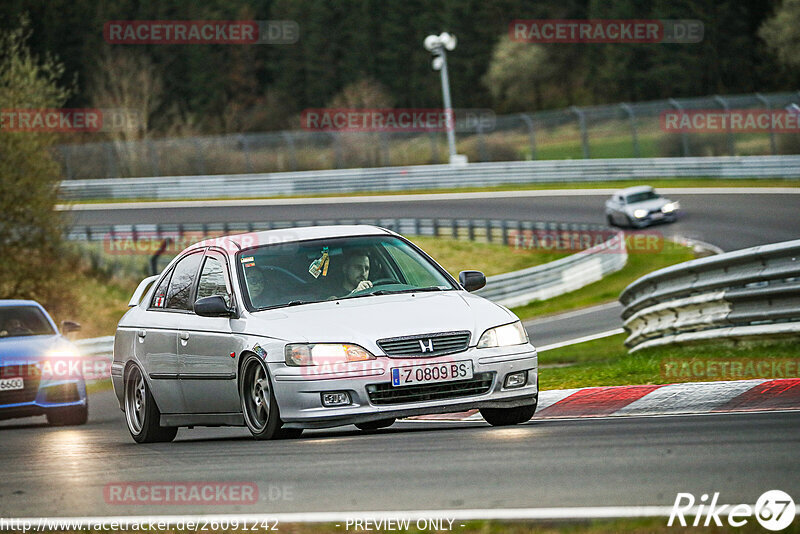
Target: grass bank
{"points": [[606, 362]]}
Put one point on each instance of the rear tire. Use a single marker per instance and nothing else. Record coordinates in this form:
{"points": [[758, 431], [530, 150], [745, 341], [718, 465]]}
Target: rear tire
{"points": [[508, 416], [259, 407], [142, 413], [70, 416], [376, 425]]}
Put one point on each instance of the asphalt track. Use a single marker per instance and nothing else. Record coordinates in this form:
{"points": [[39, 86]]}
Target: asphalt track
{"points": [[631, 461], [410, 466], [721, 217]]}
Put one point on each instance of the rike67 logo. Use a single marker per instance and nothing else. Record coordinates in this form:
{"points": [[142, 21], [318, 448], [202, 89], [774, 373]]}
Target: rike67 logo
{"points": [[774, 510]]}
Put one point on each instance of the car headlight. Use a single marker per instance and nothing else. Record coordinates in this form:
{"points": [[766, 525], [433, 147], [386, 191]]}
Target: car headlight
{"points": [[670, 207], [305, 354], [502, 336], [640, 214]]}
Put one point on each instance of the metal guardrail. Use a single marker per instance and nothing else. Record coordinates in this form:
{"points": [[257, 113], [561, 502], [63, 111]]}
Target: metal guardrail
{"points": [[510, 289], [428, 177], [747, 293], [97, 346]]}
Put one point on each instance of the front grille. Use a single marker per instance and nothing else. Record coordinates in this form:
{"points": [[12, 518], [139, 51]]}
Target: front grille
{"points": [[30, 383], [62, 393], [441, 343], [385, 393]]}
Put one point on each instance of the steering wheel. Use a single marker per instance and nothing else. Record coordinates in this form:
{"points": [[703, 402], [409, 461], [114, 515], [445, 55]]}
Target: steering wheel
{"points": [[378, 282]]}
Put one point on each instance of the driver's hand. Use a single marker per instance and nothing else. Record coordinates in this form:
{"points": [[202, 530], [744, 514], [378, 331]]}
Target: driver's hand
{"points": [[364, 284]]}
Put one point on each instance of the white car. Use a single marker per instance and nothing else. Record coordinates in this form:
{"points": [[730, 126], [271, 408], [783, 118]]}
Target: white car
{"points": [[640, 206], [315, 327]]}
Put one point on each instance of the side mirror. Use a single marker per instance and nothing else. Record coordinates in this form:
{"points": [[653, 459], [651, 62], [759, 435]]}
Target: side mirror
{"points": [[213, 306], [472, 280], [68, 327]]}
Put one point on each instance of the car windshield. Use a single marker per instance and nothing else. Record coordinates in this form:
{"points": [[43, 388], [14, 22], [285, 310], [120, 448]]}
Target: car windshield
{"points": [[17, 321], [289, 274], [641, 197]]}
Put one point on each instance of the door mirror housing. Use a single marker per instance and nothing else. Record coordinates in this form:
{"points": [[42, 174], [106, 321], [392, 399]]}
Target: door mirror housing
{"points": [[67, 327], [213, 306], [472, 280]]}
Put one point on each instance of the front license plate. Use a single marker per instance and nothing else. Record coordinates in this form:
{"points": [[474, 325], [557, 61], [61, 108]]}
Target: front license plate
{"points": [[431, 372], [11, 384], [657, 216]]}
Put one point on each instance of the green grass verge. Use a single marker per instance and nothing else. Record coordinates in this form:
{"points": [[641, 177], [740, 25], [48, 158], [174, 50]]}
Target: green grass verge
{"points": [[609, 288], [617, 184], [606, 362]]}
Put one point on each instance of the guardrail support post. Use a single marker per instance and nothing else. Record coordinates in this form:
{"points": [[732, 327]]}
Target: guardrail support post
{"points": [[289, 138]]}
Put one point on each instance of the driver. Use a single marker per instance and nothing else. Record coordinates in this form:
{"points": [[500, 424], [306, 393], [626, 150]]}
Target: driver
{"points": [[256, 286], [355, 273]]}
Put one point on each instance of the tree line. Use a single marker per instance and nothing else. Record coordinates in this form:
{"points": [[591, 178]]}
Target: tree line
{"points": [[344, 45]]}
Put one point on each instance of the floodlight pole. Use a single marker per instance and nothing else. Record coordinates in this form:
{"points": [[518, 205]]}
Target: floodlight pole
{"points": [[448, 106]]}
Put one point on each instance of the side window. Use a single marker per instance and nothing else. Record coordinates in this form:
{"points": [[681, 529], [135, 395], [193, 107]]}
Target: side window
{"points": [[180, 287], [213, 280], [160, 294]]}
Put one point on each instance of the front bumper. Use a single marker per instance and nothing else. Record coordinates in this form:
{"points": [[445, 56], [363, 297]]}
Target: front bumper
{"points": [[298, 389], [49, 396]]}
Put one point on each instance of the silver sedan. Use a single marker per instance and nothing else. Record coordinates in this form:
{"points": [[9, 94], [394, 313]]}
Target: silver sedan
{"points": [[315, 327], [640, 206]]}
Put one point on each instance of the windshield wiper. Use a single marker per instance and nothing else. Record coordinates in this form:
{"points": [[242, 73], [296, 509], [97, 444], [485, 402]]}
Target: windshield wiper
{"points": [[415, 290]]}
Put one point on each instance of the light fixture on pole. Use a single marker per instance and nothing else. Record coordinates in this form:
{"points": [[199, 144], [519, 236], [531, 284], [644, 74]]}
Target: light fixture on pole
{"points": [[438, 45]]}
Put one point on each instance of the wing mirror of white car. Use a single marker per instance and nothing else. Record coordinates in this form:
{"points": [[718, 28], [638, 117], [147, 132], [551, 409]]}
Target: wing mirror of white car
{"points": [[472, 280], [213, 306], [68, 327]]}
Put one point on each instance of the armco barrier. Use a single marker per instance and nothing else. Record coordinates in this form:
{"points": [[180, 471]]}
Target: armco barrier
{"points": [[747, 293], [428, 177]]}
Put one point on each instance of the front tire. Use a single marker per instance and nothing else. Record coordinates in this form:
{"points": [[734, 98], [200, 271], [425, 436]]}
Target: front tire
{"points": [[259, 407], [508, 416], [142, 413]]}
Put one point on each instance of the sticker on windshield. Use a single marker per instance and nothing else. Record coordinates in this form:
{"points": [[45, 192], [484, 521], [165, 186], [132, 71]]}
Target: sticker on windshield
{"points": [[248, 259]]}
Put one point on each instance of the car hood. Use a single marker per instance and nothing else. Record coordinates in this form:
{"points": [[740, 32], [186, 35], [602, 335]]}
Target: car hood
{"points": [[29, 347], [366, 319], [649, 205]]}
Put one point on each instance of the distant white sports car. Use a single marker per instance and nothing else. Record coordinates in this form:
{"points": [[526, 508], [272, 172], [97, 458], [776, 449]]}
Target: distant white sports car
{"points": [[311, 328], [640, 206]]}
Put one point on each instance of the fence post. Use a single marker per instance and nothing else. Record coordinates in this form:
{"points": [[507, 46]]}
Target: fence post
{"points": [[243, 141], [153, 157], [773, 146], [111, 169], [731, 141], [65, 150], [684, 136], [482, 149], [201, 156], [584, 134], [634, 134], [289, 138], [337, 147], [435, 159], [386, 160], [531, 133]]}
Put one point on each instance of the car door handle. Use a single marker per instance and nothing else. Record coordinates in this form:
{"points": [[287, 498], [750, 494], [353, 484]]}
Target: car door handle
{"points": [[184, 336], [142, 333]]}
